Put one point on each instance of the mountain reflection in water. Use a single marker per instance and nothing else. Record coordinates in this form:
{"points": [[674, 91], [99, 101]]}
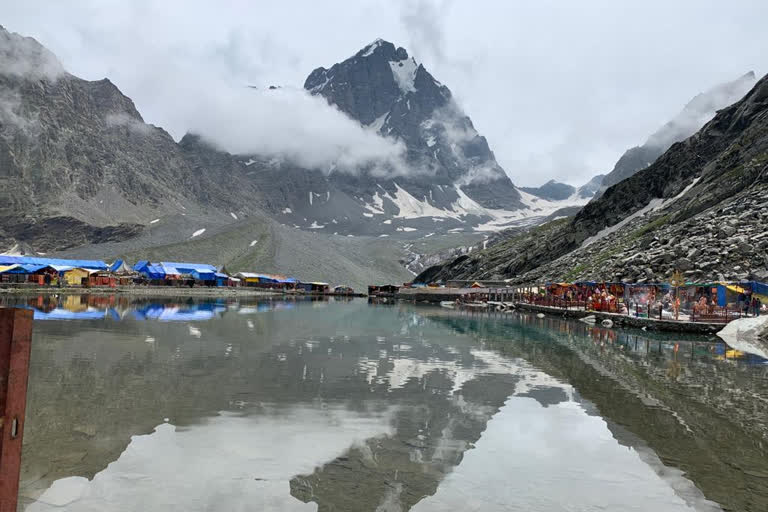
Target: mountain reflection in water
{"points": [[251, 404]]}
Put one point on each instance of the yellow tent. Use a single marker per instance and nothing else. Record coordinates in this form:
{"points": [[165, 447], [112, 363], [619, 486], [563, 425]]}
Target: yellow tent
{"points": [[739, 289], [4, 269], [75, 276]]}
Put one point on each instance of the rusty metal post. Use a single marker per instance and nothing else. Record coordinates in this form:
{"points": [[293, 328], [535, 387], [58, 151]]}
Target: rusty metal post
{"points": [[15, 342]]}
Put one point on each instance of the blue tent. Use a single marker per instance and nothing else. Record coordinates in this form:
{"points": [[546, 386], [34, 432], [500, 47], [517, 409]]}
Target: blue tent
{"points": [[201, 271], [149, 270], [24, 268], [26, 260]]}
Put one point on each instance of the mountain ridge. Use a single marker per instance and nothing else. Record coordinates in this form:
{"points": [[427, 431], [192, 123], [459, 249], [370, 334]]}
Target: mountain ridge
{"points": [[699, 208], [694, 115]]}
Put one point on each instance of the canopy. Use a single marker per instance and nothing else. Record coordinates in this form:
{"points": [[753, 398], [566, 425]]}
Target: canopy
{"points": [[150, 270], [22, 260]]}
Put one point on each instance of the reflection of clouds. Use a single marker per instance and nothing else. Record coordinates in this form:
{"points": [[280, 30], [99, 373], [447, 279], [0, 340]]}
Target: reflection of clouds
{"points": [[228, 463], [539, 458], [399, 371]]}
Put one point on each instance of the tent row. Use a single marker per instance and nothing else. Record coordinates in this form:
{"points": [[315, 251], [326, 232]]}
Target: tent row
{"points": [[24, 270], [693, 301]]}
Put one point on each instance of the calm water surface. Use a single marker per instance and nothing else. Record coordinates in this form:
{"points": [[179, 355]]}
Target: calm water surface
{"points": [[348, 406]]}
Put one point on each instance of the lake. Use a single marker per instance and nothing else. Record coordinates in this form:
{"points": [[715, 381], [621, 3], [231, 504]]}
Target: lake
{"points": [[341, 405]]}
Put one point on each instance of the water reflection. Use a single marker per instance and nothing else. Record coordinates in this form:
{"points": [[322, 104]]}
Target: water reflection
{"points": [[273, 405]]}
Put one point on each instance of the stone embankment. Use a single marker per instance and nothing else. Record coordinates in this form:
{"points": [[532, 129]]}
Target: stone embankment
{"points": [[619, 320]]}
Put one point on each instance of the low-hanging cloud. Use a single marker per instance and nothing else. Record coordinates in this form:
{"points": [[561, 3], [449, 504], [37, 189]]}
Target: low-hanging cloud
{"points": [[206, 92], [292, 124], [12, 120], [424, 21], [124, 120], [24, 57]]}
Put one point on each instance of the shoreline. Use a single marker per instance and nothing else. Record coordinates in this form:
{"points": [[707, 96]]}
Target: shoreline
{"points": [[151, 291]]}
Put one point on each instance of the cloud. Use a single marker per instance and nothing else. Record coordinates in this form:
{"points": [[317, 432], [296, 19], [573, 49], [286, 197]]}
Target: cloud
{"points": [[204, 89], [424, 21], [290, 123], [25, 57], [124, 120], [553, 99], [12, 120]]}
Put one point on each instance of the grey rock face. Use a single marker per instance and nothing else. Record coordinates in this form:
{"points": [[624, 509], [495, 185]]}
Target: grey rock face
{"points": [[77, 155], [552, 190], [385, 89]]}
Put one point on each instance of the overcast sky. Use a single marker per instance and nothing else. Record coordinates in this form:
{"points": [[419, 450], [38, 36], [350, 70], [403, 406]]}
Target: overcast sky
{"points": [[560, 89]]}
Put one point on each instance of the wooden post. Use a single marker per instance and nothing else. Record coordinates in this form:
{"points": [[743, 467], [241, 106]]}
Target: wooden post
{"points": [[15, 342]]}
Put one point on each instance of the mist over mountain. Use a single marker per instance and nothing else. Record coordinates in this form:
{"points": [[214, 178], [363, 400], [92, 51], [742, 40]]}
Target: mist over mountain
{"points": [[86, 175], [694, 115]]}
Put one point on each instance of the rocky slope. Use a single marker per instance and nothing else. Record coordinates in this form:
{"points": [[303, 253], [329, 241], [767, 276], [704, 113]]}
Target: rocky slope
{"points": [[79, 164], [694, 115], [701, 208]]}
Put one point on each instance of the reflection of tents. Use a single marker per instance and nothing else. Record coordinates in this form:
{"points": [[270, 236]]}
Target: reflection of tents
{"points": [[173, 313], [65, 314]]}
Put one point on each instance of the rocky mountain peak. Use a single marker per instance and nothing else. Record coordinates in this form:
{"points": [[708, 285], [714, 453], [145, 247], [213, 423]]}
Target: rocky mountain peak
{"points": [[387, 90]]}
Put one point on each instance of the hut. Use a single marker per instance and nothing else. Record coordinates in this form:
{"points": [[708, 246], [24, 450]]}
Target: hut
{"points": [[313, 287], [17, 273], [202, 272], [386, 290], [75, 276], [257, 280], [343, 290]]}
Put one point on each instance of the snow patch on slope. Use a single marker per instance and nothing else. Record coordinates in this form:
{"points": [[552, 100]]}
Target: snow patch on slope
{"points": [[404, 72], [653, 205], [372, 47]]}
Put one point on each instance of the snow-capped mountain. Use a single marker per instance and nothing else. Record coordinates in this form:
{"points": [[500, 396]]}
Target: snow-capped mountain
{"points": [[448, 179]]}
